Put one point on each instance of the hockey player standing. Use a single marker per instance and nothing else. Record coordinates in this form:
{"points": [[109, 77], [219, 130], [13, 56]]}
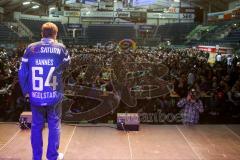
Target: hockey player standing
{"points": [[42, 85]]}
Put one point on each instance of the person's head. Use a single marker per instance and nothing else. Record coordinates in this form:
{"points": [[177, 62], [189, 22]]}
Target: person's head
{"points": [[49, 30], [193, 93]]}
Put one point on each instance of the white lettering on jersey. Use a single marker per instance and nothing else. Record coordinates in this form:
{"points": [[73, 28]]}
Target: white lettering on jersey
{"points": [[50, 50], [44, 95], [44, 62]]}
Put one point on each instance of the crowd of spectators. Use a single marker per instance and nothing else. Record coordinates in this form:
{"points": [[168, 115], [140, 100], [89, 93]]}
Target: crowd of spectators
{"points": [[9, 88], [217, 84]]}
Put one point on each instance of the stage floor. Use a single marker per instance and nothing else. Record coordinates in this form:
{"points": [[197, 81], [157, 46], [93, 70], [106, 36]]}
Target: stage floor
{"points": [[152, 142]]}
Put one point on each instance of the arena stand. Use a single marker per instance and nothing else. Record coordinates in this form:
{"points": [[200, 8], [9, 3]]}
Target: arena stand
{"points": [[104, 33], [233, 36], [175, 32], [34, 26], [7, 34], [223, 32]]}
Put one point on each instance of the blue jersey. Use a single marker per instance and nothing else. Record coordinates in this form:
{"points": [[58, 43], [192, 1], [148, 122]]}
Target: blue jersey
{"points": [[37, 73]]}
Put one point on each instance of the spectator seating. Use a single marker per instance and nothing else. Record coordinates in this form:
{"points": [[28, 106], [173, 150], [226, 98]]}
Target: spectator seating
{"points": [[103, 33], [221, 33], [233, 36], [175, 32], [35, 27], [199, 32], [6, 34], [217, 31]]}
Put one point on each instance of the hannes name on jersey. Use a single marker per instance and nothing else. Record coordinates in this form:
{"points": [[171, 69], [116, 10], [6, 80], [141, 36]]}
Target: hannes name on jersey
{"points": [[44, 62]]}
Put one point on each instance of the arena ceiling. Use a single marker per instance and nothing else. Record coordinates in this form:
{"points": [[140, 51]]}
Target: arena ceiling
{"points": [[16, 5]]}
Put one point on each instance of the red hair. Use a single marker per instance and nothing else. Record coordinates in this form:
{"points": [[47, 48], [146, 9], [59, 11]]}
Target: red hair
{"points": [[49, 29]]}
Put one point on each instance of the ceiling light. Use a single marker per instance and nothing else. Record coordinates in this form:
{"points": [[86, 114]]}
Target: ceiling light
{"points": [[26, 3], [52, 8], [35, 6]]}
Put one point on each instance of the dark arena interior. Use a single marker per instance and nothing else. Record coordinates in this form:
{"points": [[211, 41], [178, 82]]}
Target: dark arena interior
{"points": [[146, 79]]}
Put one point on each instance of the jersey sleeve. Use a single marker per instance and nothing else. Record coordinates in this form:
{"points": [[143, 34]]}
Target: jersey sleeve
{"points": [[65, 60], [23, 72]]}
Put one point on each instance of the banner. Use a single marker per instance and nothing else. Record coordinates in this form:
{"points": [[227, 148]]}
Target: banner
{"points": [[72, 13], [105, 5], [187, 16], [171, 15], [157, 10], [226, 15], [146, 28], [122, 14], [163, 15], [57, 13], [173, 10], [143, 2], [105, 14], [138, 17], [164, 3], [74, 26], [187, 10], [70, 1], [213, 50], [96, 14], [90, 2]]}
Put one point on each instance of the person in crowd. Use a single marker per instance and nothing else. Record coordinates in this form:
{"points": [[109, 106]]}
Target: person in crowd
{"points": [[219, 58], [229, 60], [192, 106]]}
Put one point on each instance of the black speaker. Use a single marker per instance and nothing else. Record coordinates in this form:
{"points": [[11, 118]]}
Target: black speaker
{"points": [[128, 121], [25, 120]]}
